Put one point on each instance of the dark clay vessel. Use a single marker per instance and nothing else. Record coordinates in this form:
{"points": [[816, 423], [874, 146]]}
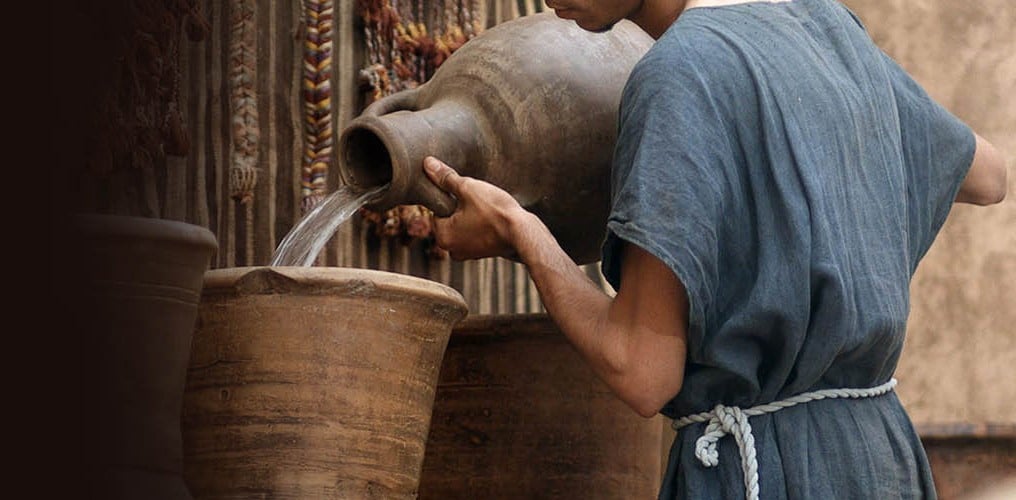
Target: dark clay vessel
{"points": [[519, 415], [134, 291], [530, 105]]}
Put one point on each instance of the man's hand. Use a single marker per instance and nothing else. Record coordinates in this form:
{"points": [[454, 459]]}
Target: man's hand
{"points": [[485, 220]]}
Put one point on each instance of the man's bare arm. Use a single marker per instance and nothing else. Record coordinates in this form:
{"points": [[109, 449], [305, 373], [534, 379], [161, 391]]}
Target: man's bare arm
{"points": [[986, 182], [635, 341]]}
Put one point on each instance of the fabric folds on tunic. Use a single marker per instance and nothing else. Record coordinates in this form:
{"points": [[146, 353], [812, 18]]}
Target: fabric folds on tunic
{"points": [[792, 176]]}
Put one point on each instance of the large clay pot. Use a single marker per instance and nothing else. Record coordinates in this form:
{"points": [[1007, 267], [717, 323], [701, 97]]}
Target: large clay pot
{"points": [[529, 105], [134, 301], [520, 415], [310, 382]]}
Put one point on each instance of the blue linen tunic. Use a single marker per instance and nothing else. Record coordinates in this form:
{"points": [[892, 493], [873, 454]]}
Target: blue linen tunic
{"points": [[792, 176]]}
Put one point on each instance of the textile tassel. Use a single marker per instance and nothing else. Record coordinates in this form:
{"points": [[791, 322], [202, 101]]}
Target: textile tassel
{"points": [[317, 95], [243, 97]]}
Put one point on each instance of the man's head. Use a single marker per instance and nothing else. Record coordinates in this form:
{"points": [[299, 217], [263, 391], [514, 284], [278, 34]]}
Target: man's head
{"points": [[653, 16]]}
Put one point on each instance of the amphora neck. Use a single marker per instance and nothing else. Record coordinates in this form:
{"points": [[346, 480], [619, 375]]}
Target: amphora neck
{"points": [[389, 140]]}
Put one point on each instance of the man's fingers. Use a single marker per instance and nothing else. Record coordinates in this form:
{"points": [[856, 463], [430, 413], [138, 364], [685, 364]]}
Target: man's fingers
{"points": [[441, 174]]}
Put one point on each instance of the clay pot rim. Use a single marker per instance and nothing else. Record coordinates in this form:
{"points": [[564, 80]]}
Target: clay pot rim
{"points": [[150, 228], [317, 280]]}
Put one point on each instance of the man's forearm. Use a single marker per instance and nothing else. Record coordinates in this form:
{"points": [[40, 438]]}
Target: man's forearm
{"points": [[642, 367], [575, 303]]}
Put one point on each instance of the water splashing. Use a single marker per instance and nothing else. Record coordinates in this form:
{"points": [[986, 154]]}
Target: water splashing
{"points": [[304, 242]]}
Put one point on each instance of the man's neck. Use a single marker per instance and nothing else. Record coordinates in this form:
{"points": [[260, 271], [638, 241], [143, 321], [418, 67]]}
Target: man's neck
{"points": [[655, 16], [691, 4]]}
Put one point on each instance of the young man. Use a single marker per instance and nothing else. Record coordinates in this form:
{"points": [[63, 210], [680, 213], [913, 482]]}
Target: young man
{"points": [[776, 181]]}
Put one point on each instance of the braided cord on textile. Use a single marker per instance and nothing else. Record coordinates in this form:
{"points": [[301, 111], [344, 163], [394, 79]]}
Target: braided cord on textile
{"points": [[243, 100], [317, 99]]}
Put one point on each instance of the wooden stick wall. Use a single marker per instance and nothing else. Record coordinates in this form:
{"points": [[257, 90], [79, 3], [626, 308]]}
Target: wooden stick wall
{"points": [[197, 186]]}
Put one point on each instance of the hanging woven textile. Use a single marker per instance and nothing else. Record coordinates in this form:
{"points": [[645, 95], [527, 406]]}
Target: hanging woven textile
{"points": [[130, 111], [243, 100], [406, 42], [317, 99], [174, 130]]}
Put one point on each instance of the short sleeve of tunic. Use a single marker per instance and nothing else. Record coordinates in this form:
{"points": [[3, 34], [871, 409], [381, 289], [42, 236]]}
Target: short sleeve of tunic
{"points": [[669, 183], [938, 150]]}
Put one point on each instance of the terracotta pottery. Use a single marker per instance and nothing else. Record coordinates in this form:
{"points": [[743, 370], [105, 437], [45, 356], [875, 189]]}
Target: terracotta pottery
{"points": [[529, 105], [311, 382], [520, 415], [135, 301]]}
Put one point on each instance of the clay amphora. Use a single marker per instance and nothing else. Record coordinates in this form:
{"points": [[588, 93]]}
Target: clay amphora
{"points": [[313, 382], [519, 414], [134, 301], [529, 105]]}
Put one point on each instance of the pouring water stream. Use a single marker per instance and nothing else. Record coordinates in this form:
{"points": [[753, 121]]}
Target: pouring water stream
{"points": [[304, 242]]}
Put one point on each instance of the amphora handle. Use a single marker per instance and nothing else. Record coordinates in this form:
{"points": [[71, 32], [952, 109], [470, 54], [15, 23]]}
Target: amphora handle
{"points": [[403, 100], [407, 139]]}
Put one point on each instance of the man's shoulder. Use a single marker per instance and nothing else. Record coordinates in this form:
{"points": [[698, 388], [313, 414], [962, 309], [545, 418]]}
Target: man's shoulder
{"points": [[690, 56], [687, 40]]}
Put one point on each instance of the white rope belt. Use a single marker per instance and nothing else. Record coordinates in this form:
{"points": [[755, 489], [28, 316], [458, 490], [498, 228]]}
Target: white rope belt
{"points": [[725, 420]]}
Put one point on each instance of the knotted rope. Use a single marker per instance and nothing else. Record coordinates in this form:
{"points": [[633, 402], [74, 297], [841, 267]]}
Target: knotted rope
{"points": [[723, 420]]}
